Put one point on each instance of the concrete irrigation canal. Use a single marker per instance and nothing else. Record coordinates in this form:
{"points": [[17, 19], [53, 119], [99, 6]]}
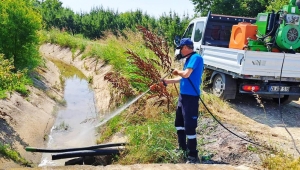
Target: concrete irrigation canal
{"points": [[73, 133]]}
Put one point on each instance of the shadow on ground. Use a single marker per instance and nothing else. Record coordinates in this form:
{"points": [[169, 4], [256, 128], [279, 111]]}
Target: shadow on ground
{"points": [[265, 111]]}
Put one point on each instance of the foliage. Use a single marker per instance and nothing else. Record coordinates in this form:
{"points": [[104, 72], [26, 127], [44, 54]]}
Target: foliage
{"points": [[113, 126], [64, 39], [168, 26], [94, 24], [203, 6], [120, 83], [152, 136], [151, 140], [145, 71], [247, 8], [98, 21], [113, 50], [6, 151], [159, 46], [114, 53], [18, 33], [52, 14], [277, 5], [9, 80]]}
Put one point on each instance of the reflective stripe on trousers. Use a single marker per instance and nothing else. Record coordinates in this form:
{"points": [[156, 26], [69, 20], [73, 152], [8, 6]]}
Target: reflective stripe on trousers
{"points": [[191, 136], [180, 128]]}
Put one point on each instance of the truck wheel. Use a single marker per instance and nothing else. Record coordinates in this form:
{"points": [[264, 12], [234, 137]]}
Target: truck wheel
{"points": [[284, 100], [224, 86], [218, 86]]}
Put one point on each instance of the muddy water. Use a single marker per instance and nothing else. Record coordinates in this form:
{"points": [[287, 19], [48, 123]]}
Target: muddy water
{"points": [[72, 120]]}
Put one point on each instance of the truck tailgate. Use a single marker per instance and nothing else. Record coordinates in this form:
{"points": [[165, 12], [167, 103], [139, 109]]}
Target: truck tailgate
{"points": [[270, 63], [254, 63]]}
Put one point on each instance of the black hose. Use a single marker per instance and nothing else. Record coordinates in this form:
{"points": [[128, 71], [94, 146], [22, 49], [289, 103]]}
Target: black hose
{"points": [[279, 105], [86, 153], [224, 125], [32, 149], [230, 130]]}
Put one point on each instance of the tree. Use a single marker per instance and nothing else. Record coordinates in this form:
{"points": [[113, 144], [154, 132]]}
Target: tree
{"points": [[247, 8], [19, 24], [202, 6], [94, 24], [276, 5], [252, 7], [68, 21], [51, 11], [171, 25]]}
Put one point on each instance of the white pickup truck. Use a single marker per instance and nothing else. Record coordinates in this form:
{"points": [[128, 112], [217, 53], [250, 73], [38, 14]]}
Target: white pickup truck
{"points": [[230, 70]]}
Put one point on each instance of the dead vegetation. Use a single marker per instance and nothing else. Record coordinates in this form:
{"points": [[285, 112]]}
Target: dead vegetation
{"points": [[147, 68]]}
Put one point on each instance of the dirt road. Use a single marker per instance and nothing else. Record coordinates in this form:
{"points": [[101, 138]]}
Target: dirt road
{"points": [[256, 122], [268, 115]]}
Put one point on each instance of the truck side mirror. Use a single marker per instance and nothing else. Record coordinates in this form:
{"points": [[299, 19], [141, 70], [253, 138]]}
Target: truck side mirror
{"points": [[177, 40]]}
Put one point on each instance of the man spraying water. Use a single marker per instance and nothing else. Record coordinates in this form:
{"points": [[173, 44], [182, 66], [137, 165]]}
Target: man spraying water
{"points": [[188, 101]]}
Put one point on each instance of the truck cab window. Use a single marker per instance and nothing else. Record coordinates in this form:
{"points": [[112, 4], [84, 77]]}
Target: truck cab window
{"points": [[198, 31], [188, 32]]}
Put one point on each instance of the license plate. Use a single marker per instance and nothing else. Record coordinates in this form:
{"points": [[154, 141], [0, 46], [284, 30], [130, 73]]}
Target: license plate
{"points": [[282, 88]]}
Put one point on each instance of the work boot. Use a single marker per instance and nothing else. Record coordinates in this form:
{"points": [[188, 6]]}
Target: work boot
{"points": [[193, 160]]}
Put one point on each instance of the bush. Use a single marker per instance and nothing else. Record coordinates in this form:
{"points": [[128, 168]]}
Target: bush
{"points": [[19, 27], [11, 81]]}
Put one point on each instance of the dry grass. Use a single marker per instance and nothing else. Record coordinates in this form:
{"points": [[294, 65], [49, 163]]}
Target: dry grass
{"points": [[281, 161]]}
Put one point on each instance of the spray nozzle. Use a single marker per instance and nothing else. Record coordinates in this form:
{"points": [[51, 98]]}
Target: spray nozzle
{"points": [[171, 71], [161, 81]]}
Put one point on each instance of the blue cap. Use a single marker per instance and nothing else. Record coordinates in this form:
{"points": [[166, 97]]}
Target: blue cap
{"points": [[185, 41]]}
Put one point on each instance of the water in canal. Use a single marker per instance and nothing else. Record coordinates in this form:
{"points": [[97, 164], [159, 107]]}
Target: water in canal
{"points": [[72, 120]]}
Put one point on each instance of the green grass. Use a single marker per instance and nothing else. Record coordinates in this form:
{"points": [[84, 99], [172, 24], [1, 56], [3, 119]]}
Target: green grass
{"points": [[76, 42], [6, 151], [113, 126], [111, 50], [150, 140]]}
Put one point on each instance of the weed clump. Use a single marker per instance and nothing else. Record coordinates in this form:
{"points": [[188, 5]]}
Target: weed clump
{"points": [[281, 161]]}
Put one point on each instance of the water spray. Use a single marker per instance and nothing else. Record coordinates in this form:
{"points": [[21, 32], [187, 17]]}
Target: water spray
{"points": [[122, 108]]}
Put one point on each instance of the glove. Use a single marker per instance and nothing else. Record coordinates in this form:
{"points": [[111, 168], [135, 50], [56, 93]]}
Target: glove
{"points": [[164, 83]]}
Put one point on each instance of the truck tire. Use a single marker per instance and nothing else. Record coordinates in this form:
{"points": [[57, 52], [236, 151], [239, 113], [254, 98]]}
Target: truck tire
{"points": [[224, 86], [218, 86], [284, 100]]}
